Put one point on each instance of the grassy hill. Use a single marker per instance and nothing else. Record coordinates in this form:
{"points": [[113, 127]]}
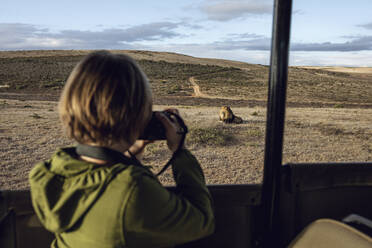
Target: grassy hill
{"points": [[169, 73]]}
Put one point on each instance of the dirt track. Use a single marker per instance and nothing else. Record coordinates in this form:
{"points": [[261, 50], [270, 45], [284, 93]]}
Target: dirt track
{"points": [[196, 87]]}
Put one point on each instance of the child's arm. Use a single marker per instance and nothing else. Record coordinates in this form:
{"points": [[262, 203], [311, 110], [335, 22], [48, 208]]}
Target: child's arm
{"points": [[155, 217]]}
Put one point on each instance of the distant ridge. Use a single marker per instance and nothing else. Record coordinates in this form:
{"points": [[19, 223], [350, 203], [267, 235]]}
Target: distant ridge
{"points": [[172, 58], [136, 54], [222, 82]]}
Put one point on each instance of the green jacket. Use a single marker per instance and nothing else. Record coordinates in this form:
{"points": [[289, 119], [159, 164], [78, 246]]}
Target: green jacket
{"points": [[122, 205]]}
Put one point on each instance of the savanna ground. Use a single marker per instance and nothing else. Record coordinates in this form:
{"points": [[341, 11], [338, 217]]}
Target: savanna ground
{"points": [[329, 114]]}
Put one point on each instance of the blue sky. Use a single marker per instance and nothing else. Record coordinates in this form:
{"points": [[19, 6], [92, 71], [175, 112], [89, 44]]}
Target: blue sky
{"points": [[324, 32]]}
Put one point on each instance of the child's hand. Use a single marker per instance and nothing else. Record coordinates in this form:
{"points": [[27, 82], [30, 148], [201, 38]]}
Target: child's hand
{"points": [[172, 127], [138, 148]]}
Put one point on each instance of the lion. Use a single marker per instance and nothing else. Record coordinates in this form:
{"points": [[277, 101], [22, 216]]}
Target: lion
{"points": [[227, 116]]}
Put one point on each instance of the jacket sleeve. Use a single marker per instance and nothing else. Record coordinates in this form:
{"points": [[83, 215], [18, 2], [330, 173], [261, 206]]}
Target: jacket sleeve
{"points": [[156, 217]]}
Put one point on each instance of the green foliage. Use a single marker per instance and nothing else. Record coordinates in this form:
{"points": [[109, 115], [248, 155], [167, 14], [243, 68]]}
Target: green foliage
{"points": [[55, 85], [210, 136], [255, 133], [36, 116], [339, 105], [174, 89], [20, 87], [36, 72]]}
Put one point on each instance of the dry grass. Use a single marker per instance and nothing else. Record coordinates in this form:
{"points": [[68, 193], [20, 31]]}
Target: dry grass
{"points": [[362, 70], [29, 132], [229, 154], [327, 135], [328, 119]]}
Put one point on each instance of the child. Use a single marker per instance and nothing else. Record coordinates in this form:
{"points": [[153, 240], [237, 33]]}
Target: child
{"points": [[98, 194]]}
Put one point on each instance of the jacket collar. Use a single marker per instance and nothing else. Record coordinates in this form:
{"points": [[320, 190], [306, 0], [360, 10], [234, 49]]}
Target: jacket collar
{"points": [[104, 153]]}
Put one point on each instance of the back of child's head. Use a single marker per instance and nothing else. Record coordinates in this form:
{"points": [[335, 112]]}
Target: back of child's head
{"points": [[105, 99]]}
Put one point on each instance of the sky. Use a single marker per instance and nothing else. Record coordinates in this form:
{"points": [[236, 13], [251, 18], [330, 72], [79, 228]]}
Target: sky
{"points": [[323, 32]]}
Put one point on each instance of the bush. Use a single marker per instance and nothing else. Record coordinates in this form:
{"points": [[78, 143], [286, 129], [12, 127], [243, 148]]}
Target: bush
{"points": [[36, 116], [210, 136], [55, 85], [20, 87], [255, 133], [339, 105], [174, 89]]}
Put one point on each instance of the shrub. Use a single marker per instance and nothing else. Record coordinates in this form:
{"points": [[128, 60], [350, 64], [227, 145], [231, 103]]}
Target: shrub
{"points": [[210, 136], [20, 87], [255, 133], [36, 116], [54, 85], [174, 89], [339, 105]]}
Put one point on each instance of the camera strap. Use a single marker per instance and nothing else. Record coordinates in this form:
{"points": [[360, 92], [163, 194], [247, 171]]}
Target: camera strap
{"points": [[107, 154], [183, 131]]}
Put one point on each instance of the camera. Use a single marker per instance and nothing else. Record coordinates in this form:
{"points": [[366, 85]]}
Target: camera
{"points": [[155, 129]]}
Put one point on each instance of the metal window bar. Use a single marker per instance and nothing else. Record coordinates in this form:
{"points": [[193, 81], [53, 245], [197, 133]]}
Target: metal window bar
{"points": [[275, 117]]}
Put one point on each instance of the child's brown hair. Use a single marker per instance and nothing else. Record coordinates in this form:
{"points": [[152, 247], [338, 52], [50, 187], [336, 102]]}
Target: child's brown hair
{"points": [[105, 99]]}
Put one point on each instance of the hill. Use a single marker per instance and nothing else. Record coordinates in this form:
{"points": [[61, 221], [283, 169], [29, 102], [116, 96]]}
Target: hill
{"points": [[41, 74]]}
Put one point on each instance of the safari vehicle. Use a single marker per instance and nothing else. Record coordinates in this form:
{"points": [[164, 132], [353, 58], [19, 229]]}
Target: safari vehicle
{"points": [[269, 215]]}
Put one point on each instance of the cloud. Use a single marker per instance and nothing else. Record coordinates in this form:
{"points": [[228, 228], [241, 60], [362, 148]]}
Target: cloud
{"points": [[257, 42], [190, 23], [354, 59], [367, 26], [226, 10], [262, 44], [298, 12], [245, 36], [250, 41], [297, 58], [16, 33], [26, 36], [362, 43], [236, 46]]}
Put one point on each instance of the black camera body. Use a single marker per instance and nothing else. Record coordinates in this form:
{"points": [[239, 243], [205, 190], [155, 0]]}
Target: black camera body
{"points": [[155, 130]]}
